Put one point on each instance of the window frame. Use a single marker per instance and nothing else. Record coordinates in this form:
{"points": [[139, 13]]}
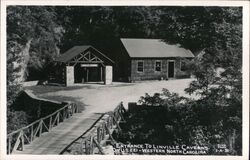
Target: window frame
{"points": [[160, 65], [141, 61]]}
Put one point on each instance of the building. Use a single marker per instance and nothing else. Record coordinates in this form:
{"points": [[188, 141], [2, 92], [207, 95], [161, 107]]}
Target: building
{"points": [[134, 60], [82, 64], [151, 59]]}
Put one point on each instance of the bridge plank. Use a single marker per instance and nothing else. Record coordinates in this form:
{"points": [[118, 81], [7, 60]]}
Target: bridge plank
{"points": [[61, 136]]}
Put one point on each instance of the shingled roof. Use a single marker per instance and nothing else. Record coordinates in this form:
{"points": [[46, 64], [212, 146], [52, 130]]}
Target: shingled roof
{"points": [[76, 50], [153, 48]]}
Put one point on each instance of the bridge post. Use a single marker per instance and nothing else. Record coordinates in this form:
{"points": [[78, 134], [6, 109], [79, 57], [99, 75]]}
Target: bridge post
{"points": [[50, 121], [32, 133], [9, 145], [22, 139], [40, 127], [81, 145], [98, 135], [87, 146], [58, 118]]}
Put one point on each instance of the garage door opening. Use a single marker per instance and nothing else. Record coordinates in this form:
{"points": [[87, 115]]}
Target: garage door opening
{"points": [[85, 73]]}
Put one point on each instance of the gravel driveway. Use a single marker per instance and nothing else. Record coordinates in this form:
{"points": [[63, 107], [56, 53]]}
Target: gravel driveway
{"points": [[102, 98]]}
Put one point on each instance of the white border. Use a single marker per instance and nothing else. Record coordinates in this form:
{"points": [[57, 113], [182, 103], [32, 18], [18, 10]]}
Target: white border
{"points": [[244, 4]]}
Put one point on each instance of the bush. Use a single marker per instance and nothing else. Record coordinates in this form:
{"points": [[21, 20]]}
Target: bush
{"points": [[16, 120], [167, 118]]}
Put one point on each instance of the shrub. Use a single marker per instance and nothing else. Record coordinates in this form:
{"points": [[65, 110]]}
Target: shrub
{"points": [[16, 120], [167, 118]]}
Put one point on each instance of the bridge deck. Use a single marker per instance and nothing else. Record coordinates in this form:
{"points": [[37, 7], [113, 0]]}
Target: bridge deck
{"points": [[62, 135]]}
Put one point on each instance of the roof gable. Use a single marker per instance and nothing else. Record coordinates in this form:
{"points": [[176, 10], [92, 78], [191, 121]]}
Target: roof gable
{"points": [[76, 50], [153, 48]]}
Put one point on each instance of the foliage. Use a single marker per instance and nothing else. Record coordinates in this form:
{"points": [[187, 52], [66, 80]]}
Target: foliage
{"points": [[174, 120], [89, 25], [217, 31], [33, 34], [197, 28], [13, 87], [165, 98], [16, 120], [32, 38]]}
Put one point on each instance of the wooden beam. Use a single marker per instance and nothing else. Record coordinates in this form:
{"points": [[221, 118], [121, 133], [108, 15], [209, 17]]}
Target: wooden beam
{"points": [[110, 134], [86, 58], [89, 56], [87, 78], [9, 145], [17, 142], [98, 146], [101, 72]]}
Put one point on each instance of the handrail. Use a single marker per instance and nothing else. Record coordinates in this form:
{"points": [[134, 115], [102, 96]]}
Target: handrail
{"points": [[27, 134], [92, 141]]}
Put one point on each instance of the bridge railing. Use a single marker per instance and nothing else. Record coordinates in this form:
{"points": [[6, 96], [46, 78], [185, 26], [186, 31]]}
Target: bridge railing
{"points": [[102, 131], [17, 139], [92, 141]]}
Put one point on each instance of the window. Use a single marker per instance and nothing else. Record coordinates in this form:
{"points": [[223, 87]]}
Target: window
{"points": [[140, 66], [158, 66]]}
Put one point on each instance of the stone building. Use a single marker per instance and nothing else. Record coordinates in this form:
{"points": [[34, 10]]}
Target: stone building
{"points": [[82, 64], [151, 59]]}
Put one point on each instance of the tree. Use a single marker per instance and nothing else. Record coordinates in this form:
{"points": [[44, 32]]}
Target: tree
{"points": [[32, 39], [36, 34], [85, 25]]}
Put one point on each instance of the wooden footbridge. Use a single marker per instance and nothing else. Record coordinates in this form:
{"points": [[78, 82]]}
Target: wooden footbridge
{"points": [[66, 132]]}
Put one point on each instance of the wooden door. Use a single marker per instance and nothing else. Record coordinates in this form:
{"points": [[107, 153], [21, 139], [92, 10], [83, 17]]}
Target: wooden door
{"points": [[171, 66]]}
